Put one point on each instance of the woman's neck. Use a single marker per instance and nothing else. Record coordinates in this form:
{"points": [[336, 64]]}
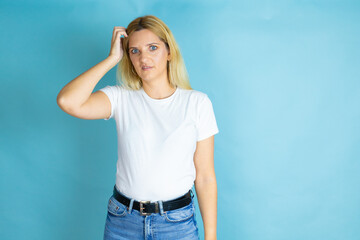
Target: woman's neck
{"points": [[159, 91]]}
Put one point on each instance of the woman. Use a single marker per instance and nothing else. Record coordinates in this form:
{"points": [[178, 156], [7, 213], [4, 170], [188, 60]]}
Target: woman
{"points": [[165, 135]]}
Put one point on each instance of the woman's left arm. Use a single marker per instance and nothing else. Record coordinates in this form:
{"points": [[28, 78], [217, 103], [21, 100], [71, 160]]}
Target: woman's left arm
{"points": [[205, 185]]}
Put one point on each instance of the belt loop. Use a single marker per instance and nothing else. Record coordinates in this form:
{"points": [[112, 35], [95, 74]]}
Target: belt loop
{"points": [[161, 207], [131, 205]]}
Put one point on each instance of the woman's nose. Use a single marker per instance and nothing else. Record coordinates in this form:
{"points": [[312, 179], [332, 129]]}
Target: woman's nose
{"points": [[144, 57]]}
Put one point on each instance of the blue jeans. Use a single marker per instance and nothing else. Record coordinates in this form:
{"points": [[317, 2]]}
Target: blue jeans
{"points": [[126, 223]]}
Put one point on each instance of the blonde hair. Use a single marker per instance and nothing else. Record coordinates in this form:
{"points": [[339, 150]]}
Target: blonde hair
{"points": [[176, 70]]}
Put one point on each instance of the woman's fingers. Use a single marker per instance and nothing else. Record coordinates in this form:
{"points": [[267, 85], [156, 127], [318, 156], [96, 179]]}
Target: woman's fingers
{"points": [[116, 43], [116, 30]]}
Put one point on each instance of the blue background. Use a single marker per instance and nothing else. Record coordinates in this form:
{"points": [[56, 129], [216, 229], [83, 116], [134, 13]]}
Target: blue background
{"points": [[284, 80]]}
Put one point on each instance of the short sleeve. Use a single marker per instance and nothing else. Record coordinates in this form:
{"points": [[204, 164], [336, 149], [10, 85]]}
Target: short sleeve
{"points": [[112, 93], [206, 122]]}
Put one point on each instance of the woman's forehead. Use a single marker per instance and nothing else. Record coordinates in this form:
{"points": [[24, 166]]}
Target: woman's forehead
{"points": [[143, 37]]}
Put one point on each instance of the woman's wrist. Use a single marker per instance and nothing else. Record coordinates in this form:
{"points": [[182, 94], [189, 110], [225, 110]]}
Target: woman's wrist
{"points": [[113, 59]]}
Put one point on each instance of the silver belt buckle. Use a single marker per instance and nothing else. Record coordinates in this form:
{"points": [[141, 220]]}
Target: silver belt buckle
{"points": [[142, 208]]}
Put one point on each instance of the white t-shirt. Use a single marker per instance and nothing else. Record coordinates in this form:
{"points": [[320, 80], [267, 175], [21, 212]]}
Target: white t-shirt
{"points": [[157, 140]]}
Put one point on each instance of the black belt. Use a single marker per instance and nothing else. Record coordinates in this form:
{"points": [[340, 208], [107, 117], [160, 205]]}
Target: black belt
{"points": [[146, 207]]}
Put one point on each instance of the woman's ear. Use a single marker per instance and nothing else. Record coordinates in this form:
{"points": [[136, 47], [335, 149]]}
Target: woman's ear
{"points": [[169, 56]]}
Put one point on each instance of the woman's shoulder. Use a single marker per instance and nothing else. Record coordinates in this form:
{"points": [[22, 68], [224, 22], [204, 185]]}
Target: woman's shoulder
{"points": [[113, 87], [118, 87], [194, 94]]}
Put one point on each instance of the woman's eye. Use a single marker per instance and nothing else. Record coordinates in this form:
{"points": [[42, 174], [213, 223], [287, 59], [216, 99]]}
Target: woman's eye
{"points": [[135, 50]]}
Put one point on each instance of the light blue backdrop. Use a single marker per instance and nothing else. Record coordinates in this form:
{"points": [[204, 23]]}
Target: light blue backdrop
{"points": [[284, 79]]}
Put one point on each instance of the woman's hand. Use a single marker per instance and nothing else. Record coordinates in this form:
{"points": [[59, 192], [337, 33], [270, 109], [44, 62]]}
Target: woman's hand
{"points": [[116, 50]]}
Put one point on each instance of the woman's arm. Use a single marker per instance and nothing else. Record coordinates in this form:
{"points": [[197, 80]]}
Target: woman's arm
{"points": [[205, 185], [76, 92]]}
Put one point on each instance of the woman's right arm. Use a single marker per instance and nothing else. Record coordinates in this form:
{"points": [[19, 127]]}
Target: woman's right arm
{"points": [[76, 97]]}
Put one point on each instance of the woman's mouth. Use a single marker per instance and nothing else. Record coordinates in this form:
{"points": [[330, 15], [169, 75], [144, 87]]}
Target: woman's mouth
{"points": [[146, 68]]}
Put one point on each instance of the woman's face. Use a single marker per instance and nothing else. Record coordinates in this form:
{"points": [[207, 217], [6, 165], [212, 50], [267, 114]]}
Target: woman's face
{"points": [[149, 55]]}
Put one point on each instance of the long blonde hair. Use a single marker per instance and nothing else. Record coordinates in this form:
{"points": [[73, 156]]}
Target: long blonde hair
{"points": [[176, 70]]}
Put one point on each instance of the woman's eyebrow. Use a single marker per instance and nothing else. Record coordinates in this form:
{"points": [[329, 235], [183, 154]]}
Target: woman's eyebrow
{"points": [[148, 44]]}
